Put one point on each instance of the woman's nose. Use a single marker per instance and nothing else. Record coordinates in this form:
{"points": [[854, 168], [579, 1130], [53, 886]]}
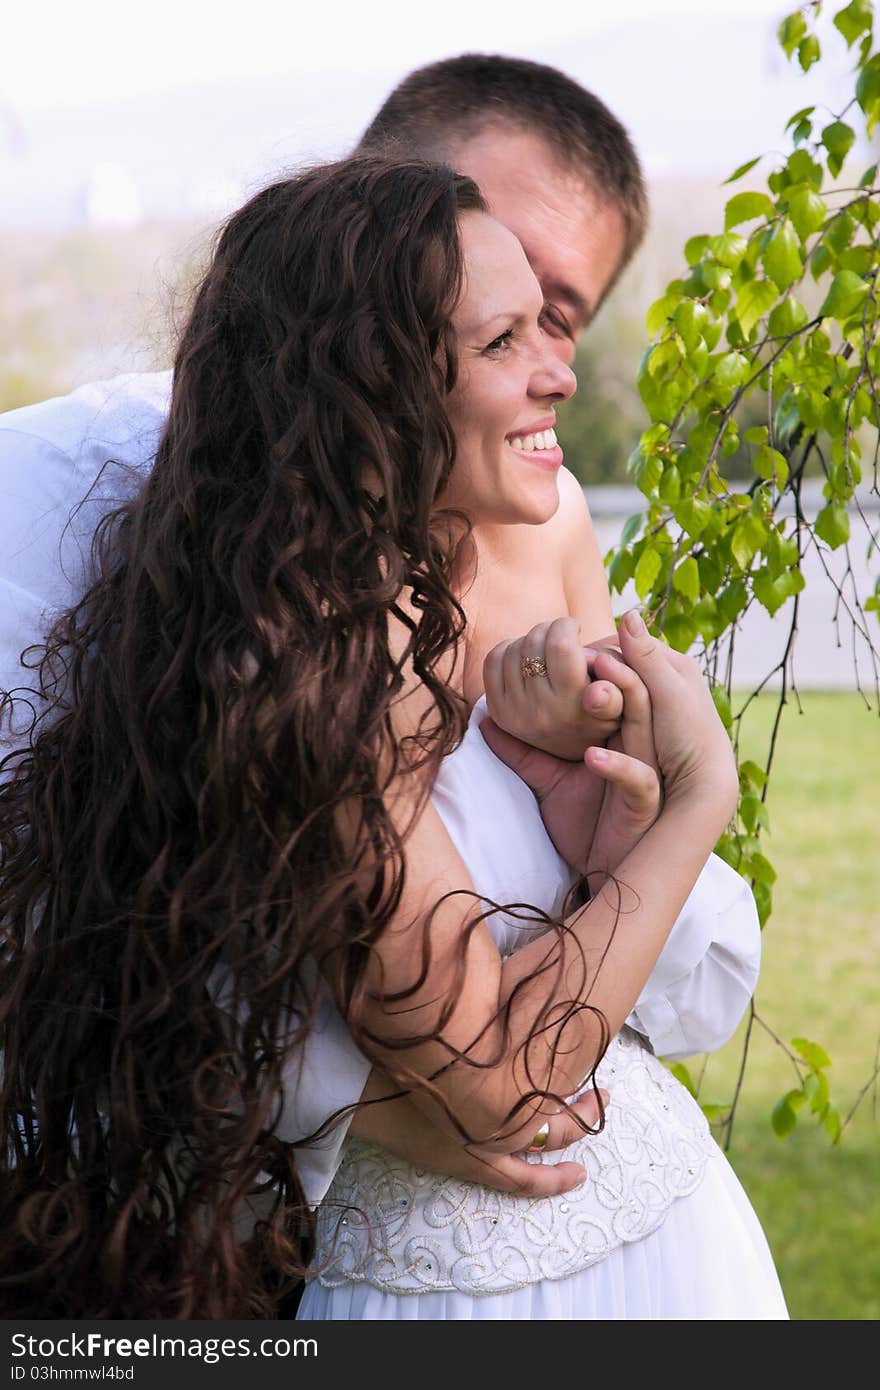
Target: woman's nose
{"points": [[553, 377]]}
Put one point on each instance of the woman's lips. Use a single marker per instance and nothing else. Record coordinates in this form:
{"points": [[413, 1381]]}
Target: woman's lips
{"points": [[550, 459]]}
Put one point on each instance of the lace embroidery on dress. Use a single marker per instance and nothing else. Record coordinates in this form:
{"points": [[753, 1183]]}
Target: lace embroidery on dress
{"points": [[407, 1231]]}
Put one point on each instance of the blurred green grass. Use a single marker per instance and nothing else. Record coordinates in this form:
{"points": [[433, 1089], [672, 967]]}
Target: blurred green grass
{"points": [[820, 979]]}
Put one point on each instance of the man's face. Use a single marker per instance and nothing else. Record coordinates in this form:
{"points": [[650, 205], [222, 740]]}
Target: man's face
{"points": [[574, 241]]}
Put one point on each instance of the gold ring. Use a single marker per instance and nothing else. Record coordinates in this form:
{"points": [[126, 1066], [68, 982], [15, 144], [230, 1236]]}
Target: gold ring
{"points": [[533, 666], [540, 1139]]}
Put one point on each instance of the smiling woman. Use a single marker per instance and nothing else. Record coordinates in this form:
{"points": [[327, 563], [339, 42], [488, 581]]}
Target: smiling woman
{"points": [[261, 777], [509, 381]]}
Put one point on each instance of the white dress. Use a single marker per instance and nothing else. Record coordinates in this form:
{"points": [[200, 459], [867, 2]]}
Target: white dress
{"points": [[661, 1229]]}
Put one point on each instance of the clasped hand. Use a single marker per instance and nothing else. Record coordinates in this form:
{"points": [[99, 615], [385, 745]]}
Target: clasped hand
{"points": [[657, 735]]}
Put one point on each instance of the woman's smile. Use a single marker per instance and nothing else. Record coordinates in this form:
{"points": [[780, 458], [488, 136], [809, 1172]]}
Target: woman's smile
{"points": [[540, 445]]}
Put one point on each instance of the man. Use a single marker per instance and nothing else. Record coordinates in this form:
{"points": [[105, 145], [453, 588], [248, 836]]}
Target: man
{"points": [[560, 171]]}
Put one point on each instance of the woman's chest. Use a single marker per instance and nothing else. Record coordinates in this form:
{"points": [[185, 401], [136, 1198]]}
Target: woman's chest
{"points": [[504, 603]]}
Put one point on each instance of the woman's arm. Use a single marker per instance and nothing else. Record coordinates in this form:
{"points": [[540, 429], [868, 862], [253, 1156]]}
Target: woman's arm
{"points": [[486, 1008], [393, 1122]]}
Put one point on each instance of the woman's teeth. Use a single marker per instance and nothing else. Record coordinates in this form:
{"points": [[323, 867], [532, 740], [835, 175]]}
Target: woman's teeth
{"points": [[544, 439]]}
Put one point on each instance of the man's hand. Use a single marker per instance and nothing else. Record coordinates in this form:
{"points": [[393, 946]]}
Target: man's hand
{"points": [[569, 794], [397, 1125], [562, 711], [634, 790]]}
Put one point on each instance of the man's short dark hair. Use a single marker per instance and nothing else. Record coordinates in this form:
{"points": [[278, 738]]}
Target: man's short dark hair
{"points": [[438, 108]]}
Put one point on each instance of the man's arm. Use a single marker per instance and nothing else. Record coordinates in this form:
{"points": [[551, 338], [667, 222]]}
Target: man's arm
{"points": [[707, 971], [64, 463]]}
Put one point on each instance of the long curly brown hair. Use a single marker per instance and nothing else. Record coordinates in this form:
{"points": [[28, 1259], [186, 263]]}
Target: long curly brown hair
{"points": [[176, 833], [171, 858]]}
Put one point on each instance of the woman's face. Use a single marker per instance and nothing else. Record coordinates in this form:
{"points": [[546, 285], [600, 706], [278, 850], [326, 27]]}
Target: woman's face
{"points": [[502, 408]]}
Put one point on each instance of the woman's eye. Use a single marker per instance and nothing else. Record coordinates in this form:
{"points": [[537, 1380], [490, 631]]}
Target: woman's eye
{"points": [[498, 344]]}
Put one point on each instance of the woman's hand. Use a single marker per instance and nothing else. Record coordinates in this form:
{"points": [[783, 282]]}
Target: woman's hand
{"points": [[397, 1125], [563, 710]]}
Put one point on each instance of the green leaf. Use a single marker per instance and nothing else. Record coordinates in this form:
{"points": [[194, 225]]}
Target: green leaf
{"points": [[632, 527], [752, 812], [808, 52], [799, 116], [868, 176], [753, 773], [690, 318], [669, 488], [773, 593], [858, 259], [786, 318], [749, 534], [728, 249], [694, 248], [646, 572], [802, 168], [840, 232], [621, 571], [832, 525], [791, 31], [732, 600], [814, 1055], [802, 131], [660, 311], [707, 615], [831, 1121], [782, 256], [663, 359], [731, 371], [844, 296], [743, 169], [838, 140], [868, 87], [686, 579], [820, 261], [722, 705], [816, 1090], [786, 417], [762, 869], [693, 515], [763, 902], [681, 1073], [771, 465], [783, 1118], [806, 210], [680, 632], [853, 20], [743, 207], [753, 302]]}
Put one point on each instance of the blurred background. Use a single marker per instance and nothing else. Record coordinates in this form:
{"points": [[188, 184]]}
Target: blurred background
{"points": [[127, 132]]}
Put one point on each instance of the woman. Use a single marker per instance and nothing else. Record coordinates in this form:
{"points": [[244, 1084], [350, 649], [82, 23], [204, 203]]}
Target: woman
{"points": [[229, 804]]}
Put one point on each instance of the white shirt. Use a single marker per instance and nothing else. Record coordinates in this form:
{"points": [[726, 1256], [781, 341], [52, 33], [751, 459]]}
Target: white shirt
{"points": [[63, 464]]}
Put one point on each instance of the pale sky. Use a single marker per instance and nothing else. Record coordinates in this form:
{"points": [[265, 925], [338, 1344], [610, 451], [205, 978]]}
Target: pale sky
{"points": [[62, 53], [114, 110]]}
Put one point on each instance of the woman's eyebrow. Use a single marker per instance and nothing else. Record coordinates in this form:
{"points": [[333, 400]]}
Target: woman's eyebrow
{"points": [[510, 319]]}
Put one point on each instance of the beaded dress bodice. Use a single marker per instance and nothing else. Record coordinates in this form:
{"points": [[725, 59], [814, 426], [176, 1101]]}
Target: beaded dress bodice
{"points": [[405, 1230]]}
